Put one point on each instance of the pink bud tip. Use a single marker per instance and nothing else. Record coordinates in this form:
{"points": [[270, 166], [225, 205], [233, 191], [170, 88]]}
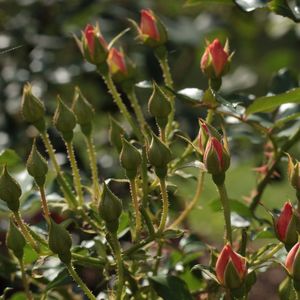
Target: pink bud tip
{"points": [[148, 24], [289, 262], [116, 61], [284, 220]]}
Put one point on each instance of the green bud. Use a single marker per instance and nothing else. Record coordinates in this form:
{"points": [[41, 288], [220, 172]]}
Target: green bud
{"points": [[159, 106], [10, 191], [64, 120], [60, 242], [84, 112], [110, 209], [159, 155], [37, 166], [130, 159], [15, 241], [33, 109], [115, 134]]}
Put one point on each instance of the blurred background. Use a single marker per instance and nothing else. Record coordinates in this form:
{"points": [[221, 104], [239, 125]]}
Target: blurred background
{"points": [[47, 56]]}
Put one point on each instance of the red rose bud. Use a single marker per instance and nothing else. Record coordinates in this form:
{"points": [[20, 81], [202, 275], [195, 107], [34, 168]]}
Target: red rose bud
{"points": [[231, 268], [286, 227], [152, 32], [216, 157], [292, 262], [294, 173], [215, 60], [94, 46]]}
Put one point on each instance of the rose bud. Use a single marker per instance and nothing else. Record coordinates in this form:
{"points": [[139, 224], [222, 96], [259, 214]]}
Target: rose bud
{"points": [[294, 173], [292, 262], [33, 109], [152, 32], [286, 227], [216, 157], [94, 47], [231, 268], [116, 133], [120, 67], [215, 60]]}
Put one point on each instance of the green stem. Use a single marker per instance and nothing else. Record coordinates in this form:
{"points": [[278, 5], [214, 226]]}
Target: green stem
{"points": [[162, 134], [165, 206], [75, 170], [116, 96], [192, 204], [44, 204], [60, 177], [80, 283], [25, 232], [94, 169], [263, 183], [135, 202], [24, 280], [269, 255], [226, 209], [118, 256], [139, 245], [86, 260], [158, 257]]}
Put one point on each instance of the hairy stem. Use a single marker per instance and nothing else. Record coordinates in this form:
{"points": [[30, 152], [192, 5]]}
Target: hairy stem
{"points": [[135, 202], [226, 209], [165, 206], [44, 203], [75, 170], [94, 169], [80, 283], [25, 231], [25, 281]]}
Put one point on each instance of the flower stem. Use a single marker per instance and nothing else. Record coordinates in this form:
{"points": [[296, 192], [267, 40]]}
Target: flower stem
{"points": [[118, 256], [60, 177], [44, 203], [75, 170], [25, 281], [192, 204], [135, 202], [25, 231], [94, 169], [116, 96], [269, 255], [165, 206], [80, 283], [226, 209]]}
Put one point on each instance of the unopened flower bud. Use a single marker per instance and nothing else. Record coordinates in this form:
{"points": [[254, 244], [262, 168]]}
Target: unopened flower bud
{"points": [[110, 209], [60, 242], [83, 111], [286, 226], [216, 157], [116, 133], [10, 191], [159, 155], [121, 68], [15, 241], [159, 106], [215, 60], [292, 262], [33, 109], [294, 173], [152, 31], [64, 120], [37, 166], [93, 45], [130, 159], [231, 268]]}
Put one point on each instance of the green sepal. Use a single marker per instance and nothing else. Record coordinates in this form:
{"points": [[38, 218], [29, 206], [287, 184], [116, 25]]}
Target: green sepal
{"points": [[64, 120], [232, 279], [110, 207], [37, 166], [60, 242], [10, 191], [15, 240], [130, 159]]}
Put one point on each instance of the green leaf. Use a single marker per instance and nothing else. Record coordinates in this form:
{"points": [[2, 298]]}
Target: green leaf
{"points": [[282, 8], [286, 290], [170, 287], [9, 157], [62, 278], [281, 122], [30, 255], [269, 103], [19, 296]]}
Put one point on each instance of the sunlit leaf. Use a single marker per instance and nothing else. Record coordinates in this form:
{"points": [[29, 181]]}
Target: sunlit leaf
{"points": [[9, 157]]}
